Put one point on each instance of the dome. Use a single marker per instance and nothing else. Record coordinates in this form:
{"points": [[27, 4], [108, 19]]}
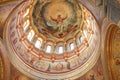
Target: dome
{"points": [[52, 38]]}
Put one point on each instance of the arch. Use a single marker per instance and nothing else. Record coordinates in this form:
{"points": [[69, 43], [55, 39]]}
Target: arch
{"points": [[111, 59]]}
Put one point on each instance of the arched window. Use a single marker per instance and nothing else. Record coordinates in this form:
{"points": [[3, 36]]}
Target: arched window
{"points": [[48, 48], [60, 50], [30, 35], [72, 46], [80, 40], [26, 12], [88, 23], [85, 33], [38, 43], [26, 24]]}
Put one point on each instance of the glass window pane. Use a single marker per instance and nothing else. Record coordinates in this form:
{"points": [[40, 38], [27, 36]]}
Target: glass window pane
{"points": [[72, 46], [88, 22], [26, 24], [60, 49], [80, 39], [26, 13], [48, 49], [30, 35], [38, 44], [85, 32]]}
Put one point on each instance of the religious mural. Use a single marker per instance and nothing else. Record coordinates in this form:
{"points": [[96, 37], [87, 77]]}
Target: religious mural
{"points": [[96, 73], [17, 75], [57, 17], [115, 46]]}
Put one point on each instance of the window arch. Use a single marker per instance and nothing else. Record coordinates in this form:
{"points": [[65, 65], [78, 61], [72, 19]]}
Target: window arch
{"points": [[48, 49], [72, 46], [80, 39], [85, 32], [38, 43], [26, 12], [30, 35], [60, 49], [26, 25]]}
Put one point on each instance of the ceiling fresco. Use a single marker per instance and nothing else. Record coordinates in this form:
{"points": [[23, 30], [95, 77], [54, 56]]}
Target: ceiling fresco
{"points": [[113, 52], [115, 57], [48, 41], [17, 75], [57, 18], [96, 73]]}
